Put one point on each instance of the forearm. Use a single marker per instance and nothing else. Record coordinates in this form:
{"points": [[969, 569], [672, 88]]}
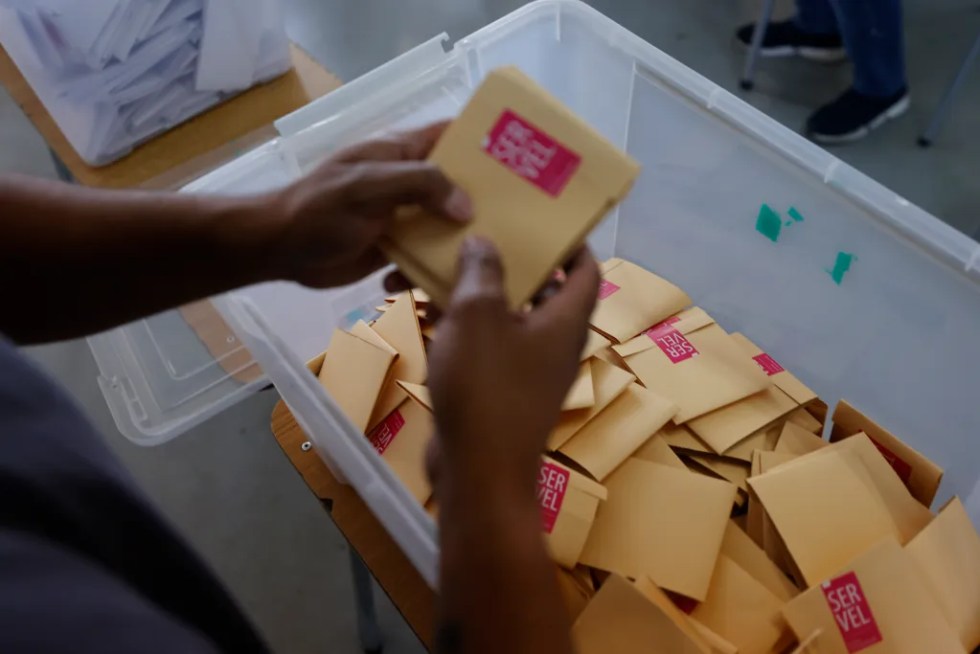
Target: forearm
{"points": [[498, 587], [75, 261]]}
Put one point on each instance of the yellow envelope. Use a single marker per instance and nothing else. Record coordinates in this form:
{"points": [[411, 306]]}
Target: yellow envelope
{"points": [[921, 475], [417, 392], [580, 395], [686, 321], [647, 526], [743, 611], [619, 430], [803, 418], [779, 376], [568, 503], [621, 618], [401, 439], [594, 343], [421, 298], [700, 371], [608, 382], [576, 589], [716, 643], [656, 450], [518, 153], [399, 327], [631, 299], [831, 505], [354, 372], [735, 472], [764, 439], [680, 438], [798, 441], [758, 525], [947, 552], [740, 548], [366, 333], [872, 605]]}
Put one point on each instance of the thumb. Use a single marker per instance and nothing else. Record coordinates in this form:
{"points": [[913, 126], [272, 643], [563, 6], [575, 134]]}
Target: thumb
{"points": [[480, 273]]}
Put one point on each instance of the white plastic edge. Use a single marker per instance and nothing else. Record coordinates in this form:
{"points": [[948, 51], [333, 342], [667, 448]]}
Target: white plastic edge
{"points": [[421, 57], [348, 450]]}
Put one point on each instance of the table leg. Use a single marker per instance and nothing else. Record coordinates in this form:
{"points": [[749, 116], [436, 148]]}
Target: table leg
{"points": [[939, 117], [759, 33], [368, 629]]}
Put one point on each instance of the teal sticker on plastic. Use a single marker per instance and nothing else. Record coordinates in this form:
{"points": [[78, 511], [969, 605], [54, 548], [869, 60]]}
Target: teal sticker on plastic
{"points": [[795, 214], [841, 267], [768, 223]]}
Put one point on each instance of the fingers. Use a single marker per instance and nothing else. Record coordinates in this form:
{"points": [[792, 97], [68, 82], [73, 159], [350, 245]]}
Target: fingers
{"points": [[480, 274], [394, 183], [396, 282], [404, 146], [576, 299]]}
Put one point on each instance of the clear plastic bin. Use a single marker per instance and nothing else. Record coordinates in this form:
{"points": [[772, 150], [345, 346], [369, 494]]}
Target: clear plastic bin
{"points": [[897, 336]]}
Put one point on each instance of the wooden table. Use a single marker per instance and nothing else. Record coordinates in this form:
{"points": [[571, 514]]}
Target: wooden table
{"points": [[193, 147]]}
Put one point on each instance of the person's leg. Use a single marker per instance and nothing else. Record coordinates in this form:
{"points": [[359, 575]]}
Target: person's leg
{"points": [[872, 32], [811, 34], [816, 17]]}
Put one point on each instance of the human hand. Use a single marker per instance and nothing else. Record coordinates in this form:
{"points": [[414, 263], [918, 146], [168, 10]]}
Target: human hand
{"points": [[326, 226], [498, 378]]}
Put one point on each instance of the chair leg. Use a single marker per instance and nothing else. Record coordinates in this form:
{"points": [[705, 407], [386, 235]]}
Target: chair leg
{"points": [[758, 34], [946, 104], [368, 629]]}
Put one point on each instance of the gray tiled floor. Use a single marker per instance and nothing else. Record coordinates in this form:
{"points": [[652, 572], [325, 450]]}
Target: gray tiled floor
{"points": [[226, 485]]}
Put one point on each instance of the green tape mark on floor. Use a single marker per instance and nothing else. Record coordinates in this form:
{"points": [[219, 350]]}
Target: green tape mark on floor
{"points": [[841, 267], [795, 214], [768, 223]]}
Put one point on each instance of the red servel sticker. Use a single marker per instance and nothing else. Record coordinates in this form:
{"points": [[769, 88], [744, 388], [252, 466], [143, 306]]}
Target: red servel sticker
{"points": [[385, 433], [851, 611], [769, 365], [898, 464], [606, 288], [671, 342], [529, 152], [552, 485]]}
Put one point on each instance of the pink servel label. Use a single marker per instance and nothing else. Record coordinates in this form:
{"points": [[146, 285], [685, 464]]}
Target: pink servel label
{"points": [[529, 152], [898, 464], [552, 484], [385, 433], [606, 288], [769, 365], [671, 342], [851, 611]]}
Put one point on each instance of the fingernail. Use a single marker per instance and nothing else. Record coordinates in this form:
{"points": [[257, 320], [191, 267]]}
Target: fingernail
{"points": [[459, 206]]}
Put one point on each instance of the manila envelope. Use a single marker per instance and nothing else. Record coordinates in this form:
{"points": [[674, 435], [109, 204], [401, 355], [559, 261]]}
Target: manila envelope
{"points": [[779, 376], [568, 502], [401, 439], [627, 619], [608, 382], [656, 450], [742, 610], [539, 177], [576, 589], [921, 475], [735, 472], [740, 548], [872, 605], [716, 643], [758, 525], [700, 371], [680, 438], [947, 552], [580, 395], [631, 299], [594, 343], [798, 441], [764, 440], [619, 430], [831, 505], [399, 327], [687, 321], [354, 372], [417, 392], [803, 418], [661, 522]]}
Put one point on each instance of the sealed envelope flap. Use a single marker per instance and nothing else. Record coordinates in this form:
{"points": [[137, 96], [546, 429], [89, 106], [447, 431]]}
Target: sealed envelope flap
{"points": [[399, 327], [608, 382], [568, 505], [779, 376], [417, 392], [921, 475], [580, 395], [401, 439], [874, 606], [724, 428], [647, 526], [741, 610], [685, 322], [680, 437], [656, 450], [621, 619], [354, 372], [700, 371], [632, 299], [948, 554], [619, 430], [803, 418], [518, 153], [730, 470], [764, 439], [740, 548], [828, 507], [798, 441], [594, 343], [365, 332]]}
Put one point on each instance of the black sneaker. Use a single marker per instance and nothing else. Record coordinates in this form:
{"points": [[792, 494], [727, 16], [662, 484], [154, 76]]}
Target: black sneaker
{"points": [[852, 116], [785, 39]]}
